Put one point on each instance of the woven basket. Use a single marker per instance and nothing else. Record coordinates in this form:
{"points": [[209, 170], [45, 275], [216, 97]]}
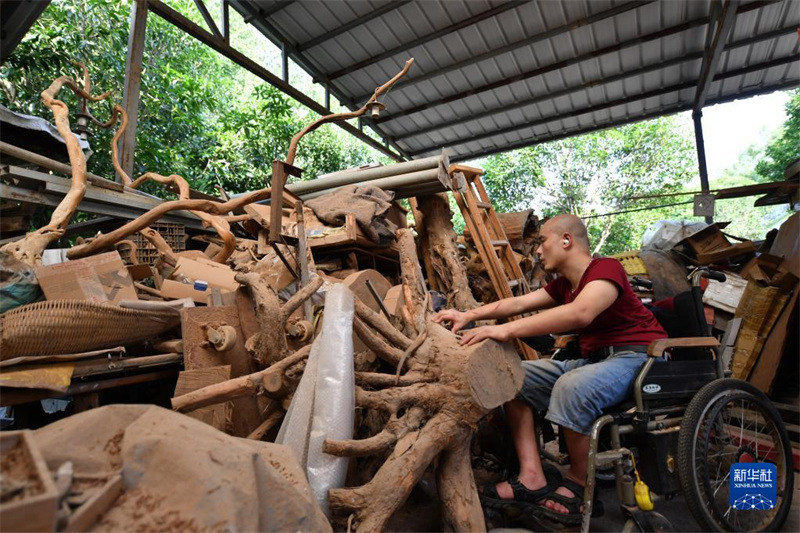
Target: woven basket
{"points": [[72, 326]]}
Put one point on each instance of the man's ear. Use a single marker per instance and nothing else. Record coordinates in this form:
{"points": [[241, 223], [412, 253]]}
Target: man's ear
{"points": [[566, 239]]}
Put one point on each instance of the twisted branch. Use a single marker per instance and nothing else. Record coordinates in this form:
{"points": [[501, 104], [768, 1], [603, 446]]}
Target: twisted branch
{"points": [[290, 154], [29, 249]]}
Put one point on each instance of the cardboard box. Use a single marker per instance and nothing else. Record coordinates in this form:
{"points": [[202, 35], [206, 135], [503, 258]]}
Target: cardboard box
{"points": [[176, 290], [99, 278], [215, 274]]}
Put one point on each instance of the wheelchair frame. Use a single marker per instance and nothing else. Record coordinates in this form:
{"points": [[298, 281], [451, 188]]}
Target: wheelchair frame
{"points": [[644, 422]]}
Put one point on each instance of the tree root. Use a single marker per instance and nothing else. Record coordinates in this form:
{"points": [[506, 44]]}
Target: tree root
{"points": [[29, 248], [434, 408], [270, 382]]}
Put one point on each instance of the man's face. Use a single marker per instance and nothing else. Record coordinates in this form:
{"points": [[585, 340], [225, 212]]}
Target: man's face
{"points": [[551, 249]]}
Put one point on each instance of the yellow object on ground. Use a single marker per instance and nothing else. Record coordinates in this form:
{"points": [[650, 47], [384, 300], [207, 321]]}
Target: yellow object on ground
{"points": [[53, 377], [634, 266]]}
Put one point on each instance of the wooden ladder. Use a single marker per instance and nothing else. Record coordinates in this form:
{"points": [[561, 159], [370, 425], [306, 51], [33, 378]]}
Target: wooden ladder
{"points": [[490, 239]]}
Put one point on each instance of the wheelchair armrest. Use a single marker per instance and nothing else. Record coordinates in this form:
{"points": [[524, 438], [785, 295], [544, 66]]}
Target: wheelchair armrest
{"points": [[656, 348]]}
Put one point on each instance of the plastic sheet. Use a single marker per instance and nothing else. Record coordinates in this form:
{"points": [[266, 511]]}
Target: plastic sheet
{"points": [[323, 404], [665, 234]]}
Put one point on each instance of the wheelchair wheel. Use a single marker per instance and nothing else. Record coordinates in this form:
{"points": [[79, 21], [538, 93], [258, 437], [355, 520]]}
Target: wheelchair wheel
{"points": [[730, 421]]}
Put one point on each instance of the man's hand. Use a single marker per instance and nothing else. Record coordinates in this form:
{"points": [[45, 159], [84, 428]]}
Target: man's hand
{"points": [[476, 335], [457, 318]]}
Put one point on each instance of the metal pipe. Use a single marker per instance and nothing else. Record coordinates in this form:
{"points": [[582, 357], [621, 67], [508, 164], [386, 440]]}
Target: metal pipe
{"points": [[588, 492], [347, 177], [400, 181]]}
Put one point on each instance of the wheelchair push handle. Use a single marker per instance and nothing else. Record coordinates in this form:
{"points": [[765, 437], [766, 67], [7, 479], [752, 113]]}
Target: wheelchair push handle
{"points": [[641, 282]]}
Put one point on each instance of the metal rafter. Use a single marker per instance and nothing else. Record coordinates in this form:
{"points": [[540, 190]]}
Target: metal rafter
{"points": [[606, 105], [678, 28], [349, 69], [472, 60], [725, 22], [359, 21], [517, 104], [207, 38], [531, 141], [201, 7], [280, 40]]}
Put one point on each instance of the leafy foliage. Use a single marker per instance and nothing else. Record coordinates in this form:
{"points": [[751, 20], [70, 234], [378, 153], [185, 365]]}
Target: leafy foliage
{"points": [[785, 146], [200, 115], [594, 174]]}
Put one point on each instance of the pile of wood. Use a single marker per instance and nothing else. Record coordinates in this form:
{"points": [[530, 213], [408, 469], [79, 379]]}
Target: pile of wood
{"points": [[220, 329]]}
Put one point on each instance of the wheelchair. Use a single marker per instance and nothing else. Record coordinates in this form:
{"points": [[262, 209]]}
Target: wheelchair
{"points": [[684, 427]]}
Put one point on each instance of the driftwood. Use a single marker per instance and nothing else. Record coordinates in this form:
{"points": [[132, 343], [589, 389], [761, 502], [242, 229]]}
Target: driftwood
{"points": [[438, 242], [371, 105], [28, 249], [269, 344], [433, 409]]}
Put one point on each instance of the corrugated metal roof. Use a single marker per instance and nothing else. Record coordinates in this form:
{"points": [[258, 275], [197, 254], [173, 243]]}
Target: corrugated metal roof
{"points": [[491, 76]]}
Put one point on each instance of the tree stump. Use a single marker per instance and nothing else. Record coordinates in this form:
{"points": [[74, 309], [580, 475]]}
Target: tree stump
{"points": [[433, 408]]}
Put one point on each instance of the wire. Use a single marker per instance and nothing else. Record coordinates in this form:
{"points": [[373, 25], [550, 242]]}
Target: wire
{"points": [[648, 208]]}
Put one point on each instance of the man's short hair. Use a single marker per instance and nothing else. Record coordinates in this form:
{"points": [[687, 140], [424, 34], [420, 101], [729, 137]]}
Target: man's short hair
{"points": [[572, 224]]}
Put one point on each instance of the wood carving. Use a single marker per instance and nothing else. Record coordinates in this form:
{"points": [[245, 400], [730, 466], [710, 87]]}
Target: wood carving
{"points": [[434, 403], [438, 237], [28, 250]]}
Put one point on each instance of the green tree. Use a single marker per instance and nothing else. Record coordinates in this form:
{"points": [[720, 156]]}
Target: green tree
{"points": [[596, 174], [200, 115], [784, 148]]}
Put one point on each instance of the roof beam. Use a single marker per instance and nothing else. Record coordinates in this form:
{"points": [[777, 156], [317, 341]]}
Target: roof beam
{"points": [[437, 34], [606, 105], [560, 64], [531, 141], [201, 7], [280, 40], [207, 38], [268, 12], [474, 59], [375, 13], [724, 23], [593, 83]]}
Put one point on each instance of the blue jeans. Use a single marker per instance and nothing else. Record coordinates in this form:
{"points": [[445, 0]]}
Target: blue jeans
{"points": [[575, 392]]}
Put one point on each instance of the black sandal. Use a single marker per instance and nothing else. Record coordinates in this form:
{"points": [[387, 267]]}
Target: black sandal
{"points": [[521, 494], [574, 515]]}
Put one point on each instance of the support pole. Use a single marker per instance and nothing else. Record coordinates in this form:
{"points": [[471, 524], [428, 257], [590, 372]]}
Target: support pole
{"points": [[226, 22], [328, 97], [285, 63], [701, 155], [133, 82]]}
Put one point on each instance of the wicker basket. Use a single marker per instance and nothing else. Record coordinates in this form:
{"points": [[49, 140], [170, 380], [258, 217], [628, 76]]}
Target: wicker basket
{"points": [[72, 326]]}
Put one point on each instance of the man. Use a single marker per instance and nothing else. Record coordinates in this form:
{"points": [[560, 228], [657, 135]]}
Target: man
{"points": [[593, 298]]}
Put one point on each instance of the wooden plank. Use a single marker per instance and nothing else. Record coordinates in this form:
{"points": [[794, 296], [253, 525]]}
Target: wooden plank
{"points": [[197, 355], [133, 82], [214, 415], [87, 514]]}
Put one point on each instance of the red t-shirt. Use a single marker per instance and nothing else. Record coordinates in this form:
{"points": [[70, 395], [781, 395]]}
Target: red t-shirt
{"points": [[625, 322]]}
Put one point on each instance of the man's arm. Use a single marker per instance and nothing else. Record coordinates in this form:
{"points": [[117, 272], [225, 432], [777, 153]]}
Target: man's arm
{"points": [[595, 298], [538, 299]]}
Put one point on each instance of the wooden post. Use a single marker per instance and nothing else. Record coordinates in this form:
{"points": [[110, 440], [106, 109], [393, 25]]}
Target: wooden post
{"points": [[133, 82]]}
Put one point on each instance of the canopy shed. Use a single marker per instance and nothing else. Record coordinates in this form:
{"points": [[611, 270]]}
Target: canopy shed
{"points": [[490, 76]]}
